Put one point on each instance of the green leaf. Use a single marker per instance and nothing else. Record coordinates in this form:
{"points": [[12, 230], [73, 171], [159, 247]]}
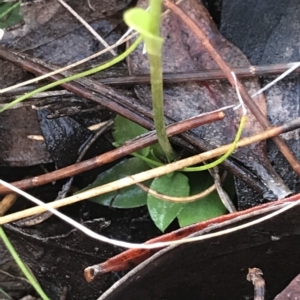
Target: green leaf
{"points": [[156, 152], [10, 14], [21, 265], [4, 296], [140, 20], [205, 208], [163, 212], [125, 130], [129, 197]]}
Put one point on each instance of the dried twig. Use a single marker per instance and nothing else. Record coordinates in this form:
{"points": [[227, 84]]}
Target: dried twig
{"points": [[187, 199], [37, 219], [87, 89], [255, 276], [133, 257], [7, 202], [214, 172], [125, 106], [110, 156], [277, 208], [171, 78], [252, 71], [61, 70]]}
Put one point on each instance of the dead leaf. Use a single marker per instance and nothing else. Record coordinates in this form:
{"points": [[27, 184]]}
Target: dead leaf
{"points": [[216, 268], [268, 34]]}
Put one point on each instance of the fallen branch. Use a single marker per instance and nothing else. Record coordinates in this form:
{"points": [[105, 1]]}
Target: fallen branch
{"points": [[129, 147]]}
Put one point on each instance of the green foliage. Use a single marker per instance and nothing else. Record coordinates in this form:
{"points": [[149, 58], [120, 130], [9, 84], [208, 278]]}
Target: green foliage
{"points": [[147, 23], [205, 208], [129, 197], [10, 14], [175, 184], [21, 265], [125, 130], [163, 212], [141, 21], [4, 295]]}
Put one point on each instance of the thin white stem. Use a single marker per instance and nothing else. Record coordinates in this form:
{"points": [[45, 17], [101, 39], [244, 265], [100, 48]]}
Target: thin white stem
{"points": [[293, 67], [1, 33], [87, 26], [90, 5], [237, 89]]}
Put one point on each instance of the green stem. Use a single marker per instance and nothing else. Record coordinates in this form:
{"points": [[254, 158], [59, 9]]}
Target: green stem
{"points": [[158, 105], [147, 160], [148, 25], [21, 265], [9, 9], [155, 12], [76, 76], [207, 166], [154, 50], [224, 156], [5, 294]]}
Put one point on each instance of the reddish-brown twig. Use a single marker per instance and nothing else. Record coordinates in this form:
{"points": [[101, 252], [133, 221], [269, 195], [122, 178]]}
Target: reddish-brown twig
{"points": [[132, 257], [110, 156]]}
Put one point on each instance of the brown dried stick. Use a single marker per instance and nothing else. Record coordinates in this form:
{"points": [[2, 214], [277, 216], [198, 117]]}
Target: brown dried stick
{"points": [[171, 78], [171, 199], [261, 118], [7, 202], [34, 66], [110, 156], [246, 72]]}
